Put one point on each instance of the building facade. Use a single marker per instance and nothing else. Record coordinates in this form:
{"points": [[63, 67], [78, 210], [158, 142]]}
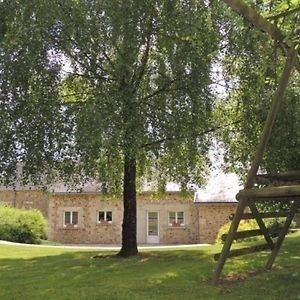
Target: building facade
{"points": [[91, 218]]}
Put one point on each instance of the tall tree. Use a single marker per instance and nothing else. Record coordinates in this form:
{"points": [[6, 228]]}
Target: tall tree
{"points": [[259, 34], [104, 88]]}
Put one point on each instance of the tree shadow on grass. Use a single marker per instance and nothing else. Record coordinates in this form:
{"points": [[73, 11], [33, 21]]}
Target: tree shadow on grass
{"points": [[80, 277], [243, 268], [155, 275]]}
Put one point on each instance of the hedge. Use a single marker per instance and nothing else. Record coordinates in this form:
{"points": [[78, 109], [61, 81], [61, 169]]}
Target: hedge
{"points": [[244, 225], [22, 226]]}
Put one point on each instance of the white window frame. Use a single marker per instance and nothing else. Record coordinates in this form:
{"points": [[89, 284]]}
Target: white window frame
{"points": [[105, 216], [71, 218], [176, 219]]}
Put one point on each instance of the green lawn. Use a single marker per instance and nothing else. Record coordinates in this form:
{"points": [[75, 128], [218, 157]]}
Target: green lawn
{"points": [[56, 273]]}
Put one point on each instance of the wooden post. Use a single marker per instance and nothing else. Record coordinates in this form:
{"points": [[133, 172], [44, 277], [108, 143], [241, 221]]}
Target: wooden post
{"points": [[227, 245], [261, 225], [255, 165], [282, 234], [290, 62]]}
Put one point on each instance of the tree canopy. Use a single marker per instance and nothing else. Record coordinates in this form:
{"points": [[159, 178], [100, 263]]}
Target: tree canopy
{"points": [[118, 90], [257, 39], [107, 89]]}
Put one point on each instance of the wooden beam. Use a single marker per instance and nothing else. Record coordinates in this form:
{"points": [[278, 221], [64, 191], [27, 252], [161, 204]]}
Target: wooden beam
{"points": [[253, 17], [261, 224], [292, 176], [282, 235], [244, 251], [282, 85], [283, 82], [227, 245], [286, 200], [266, 215], [244, 234], [251, 233], [263, 24], [273, 193]]}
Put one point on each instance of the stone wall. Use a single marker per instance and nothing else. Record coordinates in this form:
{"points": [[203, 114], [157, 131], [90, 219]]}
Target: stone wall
{"points": [[28, 199], [171, 202], [90, 231], [212, 216], [201, 221], [297, 220]]}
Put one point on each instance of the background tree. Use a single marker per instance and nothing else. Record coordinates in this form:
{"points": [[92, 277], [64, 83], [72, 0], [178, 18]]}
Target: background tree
{"points": [[104, 89], [257, 39]]}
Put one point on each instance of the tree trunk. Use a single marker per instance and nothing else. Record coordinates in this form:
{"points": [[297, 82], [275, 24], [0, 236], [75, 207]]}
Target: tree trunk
{"points": [[129, 242]]}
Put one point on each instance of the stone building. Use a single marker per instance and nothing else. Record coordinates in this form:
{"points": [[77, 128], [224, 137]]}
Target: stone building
{"points": [[91, 218]]}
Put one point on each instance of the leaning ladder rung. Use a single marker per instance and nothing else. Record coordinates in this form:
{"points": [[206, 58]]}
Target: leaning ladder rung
{"points": [[284, 176], [270, 193], [251, 233], [243, 234], [244, 251], [266, 215], [286, 200]]}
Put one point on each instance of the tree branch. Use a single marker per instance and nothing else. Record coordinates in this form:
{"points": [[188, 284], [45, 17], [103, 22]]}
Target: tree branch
{"points": [[256, 19], [284, 13], [74, 94], [262, 24], [166, 139], [141, 71], [165, 88], [90, 60]]}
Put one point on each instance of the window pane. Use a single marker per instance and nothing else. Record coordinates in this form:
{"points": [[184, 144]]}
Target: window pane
{"points": [[75, 217], [180, 217], [172, 217], [67, 217], [152, 223], [101, 216], [109, 216]]}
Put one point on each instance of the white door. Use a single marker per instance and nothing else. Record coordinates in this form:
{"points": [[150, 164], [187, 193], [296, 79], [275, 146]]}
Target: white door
{"points": [[152, 227]]}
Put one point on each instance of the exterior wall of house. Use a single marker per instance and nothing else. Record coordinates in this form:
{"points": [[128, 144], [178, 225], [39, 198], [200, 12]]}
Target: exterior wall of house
{"points": [[297, 220], [28, 199], [168, 233], [90, 231], [201, 221], [212, 216]]}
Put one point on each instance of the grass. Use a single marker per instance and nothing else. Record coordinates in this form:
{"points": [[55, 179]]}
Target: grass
{"points": [[57, 273]]}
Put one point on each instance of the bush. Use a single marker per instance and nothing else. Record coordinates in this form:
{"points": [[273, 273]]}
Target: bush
{"points": [[22, 226], [272, 224], [244, 225]]}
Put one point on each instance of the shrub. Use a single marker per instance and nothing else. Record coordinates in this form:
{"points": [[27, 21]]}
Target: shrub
{"points": [[22, 226], [272, 224], [244, 225]]}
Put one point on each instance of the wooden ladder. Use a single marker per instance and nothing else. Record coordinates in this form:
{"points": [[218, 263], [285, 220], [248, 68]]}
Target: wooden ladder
{"points": [[250, 195], [248, 198]]}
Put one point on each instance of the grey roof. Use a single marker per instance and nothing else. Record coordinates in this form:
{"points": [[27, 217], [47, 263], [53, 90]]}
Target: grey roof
{"points": [[219, 197], [221, 188]]}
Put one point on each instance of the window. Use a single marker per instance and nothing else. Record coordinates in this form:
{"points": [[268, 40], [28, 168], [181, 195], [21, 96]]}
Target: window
{"points": [[71, 218], [176, 218], [104, 216]]}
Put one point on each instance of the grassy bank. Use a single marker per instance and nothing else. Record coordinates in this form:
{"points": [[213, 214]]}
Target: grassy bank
{"points": [[57, 273]]}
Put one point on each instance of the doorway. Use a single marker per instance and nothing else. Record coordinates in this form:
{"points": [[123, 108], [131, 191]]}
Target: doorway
{"points": [[152, 227]]}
